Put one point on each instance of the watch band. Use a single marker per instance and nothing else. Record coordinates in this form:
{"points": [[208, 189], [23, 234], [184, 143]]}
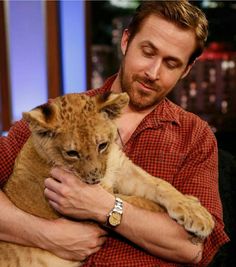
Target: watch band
{"points": [[118, 207], [115, 215]]}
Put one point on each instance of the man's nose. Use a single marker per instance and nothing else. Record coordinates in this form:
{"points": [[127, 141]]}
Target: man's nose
{"points": [[153, 70]]}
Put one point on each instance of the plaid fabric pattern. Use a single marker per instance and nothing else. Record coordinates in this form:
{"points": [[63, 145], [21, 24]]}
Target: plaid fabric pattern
{"points": [[10, 147], [169, 143]]}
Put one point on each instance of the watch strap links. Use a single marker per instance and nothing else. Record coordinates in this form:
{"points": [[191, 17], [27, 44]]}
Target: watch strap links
{"points": [[118, 207], [115, 215]]}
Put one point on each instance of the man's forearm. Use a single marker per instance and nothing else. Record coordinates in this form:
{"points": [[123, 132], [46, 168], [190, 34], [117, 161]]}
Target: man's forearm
{"points": [[17, 226], [155, 232], [159, 234], [57, 236]]}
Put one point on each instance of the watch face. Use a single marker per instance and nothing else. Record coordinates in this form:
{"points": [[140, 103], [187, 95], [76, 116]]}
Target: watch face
{"points": [[115, 219]]}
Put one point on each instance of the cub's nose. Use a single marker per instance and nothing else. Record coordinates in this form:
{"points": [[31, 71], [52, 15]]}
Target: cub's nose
{"points": [[92, 181]]}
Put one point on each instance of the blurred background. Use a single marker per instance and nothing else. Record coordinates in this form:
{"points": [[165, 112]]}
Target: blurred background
{"points": [[49, 48]]}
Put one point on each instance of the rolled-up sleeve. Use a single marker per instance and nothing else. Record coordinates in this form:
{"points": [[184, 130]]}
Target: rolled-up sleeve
{"points": [[200, 170], [10, 146]]}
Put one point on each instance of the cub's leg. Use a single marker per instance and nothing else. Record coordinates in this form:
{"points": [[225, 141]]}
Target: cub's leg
{"points": [[129, 179], [141, 202]]}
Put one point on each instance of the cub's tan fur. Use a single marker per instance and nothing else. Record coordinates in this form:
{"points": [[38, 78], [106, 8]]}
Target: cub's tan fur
{"points": [[78, 132]]}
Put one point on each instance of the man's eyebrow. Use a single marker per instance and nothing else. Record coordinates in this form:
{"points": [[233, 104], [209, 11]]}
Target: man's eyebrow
{"points": [[152, 46], [149, 44]]}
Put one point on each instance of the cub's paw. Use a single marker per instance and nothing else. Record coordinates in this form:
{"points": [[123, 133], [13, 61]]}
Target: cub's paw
{"points": [[192, 215], [142, 203]]}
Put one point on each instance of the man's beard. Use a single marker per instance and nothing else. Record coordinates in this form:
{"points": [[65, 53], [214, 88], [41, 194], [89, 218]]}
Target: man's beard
{"points": [[139, 100]]}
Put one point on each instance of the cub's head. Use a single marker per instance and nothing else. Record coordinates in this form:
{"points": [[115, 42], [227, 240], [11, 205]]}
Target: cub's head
{"points": [[77, 131]]}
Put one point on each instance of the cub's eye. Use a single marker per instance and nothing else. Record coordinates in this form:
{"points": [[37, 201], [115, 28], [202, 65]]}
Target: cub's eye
{"points": [[73, 154], [102, 147]]}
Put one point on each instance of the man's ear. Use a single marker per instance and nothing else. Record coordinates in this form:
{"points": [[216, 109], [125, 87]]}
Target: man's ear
{"points": [[42, 116], [112, 103], [187, 70], [124, 41]]}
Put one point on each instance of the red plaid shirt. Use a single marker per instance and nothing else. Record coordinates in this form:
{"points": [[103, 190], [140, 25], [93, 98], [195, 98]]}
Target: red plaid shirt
{"points": [[169, 143]]}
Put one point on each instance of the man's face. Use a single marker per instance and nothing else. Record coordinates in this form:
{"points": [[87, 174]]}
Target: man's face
{"points": [[155, 59]]}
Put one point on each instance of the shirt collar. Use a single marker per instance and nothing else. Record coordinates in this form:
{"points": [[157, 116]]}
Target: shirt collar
{"points": [[167, 111]]}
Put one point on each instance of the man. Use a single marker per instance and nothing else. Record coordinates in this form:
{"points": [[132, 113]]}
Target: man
{"points": [[159, 47]]}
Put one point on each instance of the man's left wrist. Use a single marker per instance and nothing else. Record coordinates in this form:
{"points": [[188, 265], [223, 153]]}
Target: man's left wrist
{"points": [[114, 216], [103, 209]]}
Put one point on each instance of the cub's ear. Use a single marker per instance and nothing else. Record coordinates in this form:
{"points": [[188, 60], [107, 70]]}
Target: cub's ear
{"points": [[43, 116], [112, 103]]}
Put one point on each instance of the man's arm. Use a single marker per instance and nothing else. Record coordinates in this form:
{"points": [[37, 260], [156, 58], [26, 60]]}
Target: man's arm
{"points": [[201, 180], [159, 235], [64, 238], [155, 232]]}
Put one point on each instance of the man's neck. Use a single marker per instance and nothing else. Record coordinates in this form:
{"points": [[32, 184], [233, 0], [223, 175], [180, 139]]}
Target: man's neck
{"points": [[116, 87], [130, 117]]}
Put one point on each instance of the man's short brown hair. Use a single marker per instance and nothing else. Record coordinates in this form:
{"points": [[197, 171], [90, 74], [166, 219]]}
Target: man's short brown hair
{"points": [[180, 12]]}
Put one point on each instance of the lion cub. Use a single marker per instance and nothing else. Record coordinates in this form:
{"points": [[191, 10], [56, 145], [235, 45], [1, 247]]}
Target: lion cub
{"points": [[78, 132]]}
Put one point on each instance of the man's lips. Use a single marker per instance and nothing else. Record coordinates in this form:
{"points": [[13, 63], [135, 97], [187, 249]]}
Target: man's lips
{"points": [[146, 87]]}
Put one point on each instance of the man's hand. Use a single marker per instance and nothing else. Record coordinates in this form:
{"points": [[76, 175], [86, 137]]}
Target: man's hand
{"points": [[65, 238], [70, 196], [72, 240]]}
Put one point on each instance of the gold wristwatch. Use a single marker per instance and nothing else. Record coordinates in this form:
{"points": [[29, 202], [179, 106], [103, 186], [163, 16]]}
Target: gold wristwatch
{"points": [[115, 215]]}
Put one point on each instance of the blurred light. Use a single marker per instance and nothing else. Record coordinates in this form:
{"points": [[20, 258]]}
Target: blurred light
{"points": [[4, 133], [227, 65], [210, 4], [183, 101], [124, 3], [73, 43], [231, 64], [224, 106], [212, 98], [192, 92], [27, 55]]}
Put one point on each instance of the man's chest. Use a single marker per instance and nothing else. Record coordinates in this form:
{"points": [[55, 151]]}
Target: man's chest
{"points": [[127, 124], [159, 151]]}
